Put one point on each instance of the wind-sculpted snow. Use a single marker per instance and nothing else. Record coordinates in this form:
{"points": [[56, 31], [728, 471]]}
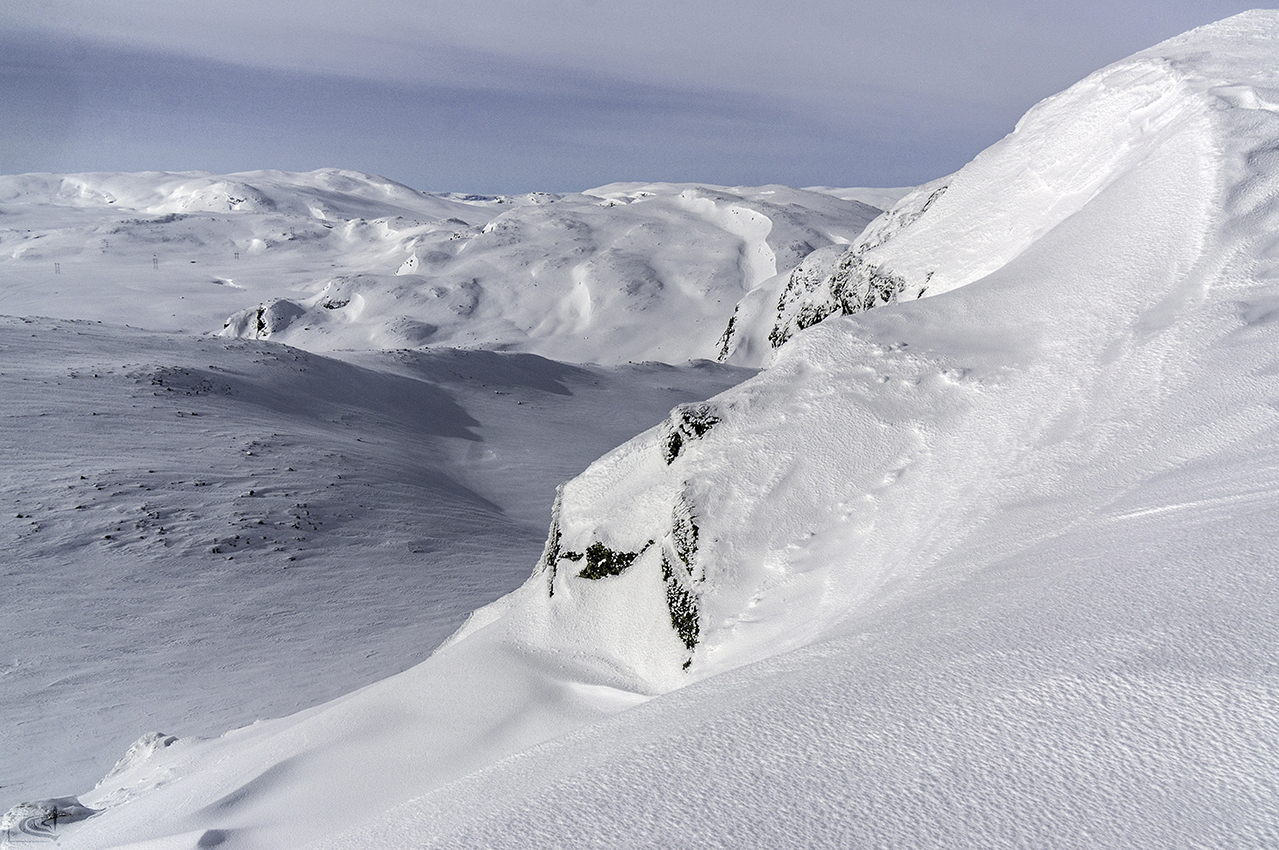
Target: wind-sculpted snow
{"points": [[953, 231], [1017, 537], [1066, 153], [988, 569], [339, 260]]}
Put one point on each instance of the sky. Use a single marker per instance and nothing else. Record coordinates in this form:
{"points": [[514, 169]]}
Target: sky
{"points": [[505, 96]]}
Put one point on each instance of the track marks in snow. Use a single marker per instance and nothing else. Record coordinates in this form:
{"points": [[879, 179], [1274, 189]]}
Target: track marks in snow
{"points": [[756, 259]]}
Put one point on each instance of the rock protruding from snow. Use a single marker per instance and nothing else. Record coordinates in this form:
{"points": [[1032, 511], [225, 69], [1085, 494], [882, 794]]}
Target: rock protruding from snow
{"points": [[687, 423], [264, 320], [39, 821]]}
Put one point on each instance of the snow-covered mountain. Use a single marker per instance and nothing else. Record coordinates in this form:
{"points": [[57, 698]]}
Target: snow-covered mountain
{"points": [[958, 229], [339, 260], [991, 568]]}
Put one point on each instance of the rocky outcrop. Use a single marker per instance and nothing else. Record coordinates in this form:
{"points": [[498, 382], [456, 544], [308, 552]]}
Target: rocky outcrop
{"points": [[687, 422], [680, 571], [829, 282], [262, 321]]}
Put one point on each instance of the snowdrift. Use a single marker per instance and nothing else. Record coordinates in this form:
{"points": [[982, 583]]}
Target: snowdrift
{"points": [[961, 228], [990, 568]]}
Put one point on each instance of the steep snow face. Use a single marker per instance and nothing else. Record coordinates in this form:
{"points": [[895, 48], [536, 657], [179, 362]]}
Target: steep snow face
{"points": [[1019, 537], [339, 260], [946, 234], [821, 445]]}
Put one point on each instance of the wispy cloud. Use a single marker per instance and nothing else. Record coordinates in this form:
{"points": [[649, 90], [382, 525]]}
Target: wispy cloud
{"points": [[502, 95]]}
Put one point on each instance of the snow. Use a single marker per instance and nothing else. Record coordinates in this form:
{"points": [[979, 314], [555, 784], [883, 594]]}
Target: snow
{"points": [[991, 567], [336, 260], [882, 198], [292, 501], [202, 532], [956, 230]]}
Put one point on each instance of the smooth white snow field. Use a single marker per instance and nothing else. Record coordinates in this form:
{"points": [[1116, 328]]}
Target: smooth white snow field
{"points": [[992, 564]]}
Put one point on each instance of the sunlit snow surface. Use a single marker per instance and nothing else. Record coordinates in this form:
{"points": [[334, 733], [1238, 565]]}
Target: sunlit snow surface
{"points": [[339, 260], [990, 568]]}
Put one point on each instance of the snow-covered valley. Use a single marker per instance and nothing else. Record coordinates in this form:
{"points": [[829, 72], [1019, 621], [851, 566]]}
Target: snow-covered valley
{"points": [[201, 532], [985, 556]]}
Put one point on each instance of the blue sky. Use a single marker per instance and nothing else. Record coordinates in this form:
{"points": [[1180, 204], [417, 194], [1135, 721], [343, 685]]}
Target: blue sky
{"points": [[559, 95]]}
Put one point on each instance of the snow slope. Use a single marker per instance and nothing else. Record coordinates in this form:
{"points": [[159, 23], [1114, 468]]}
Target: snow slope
{"points": [[991, 568], [953, 231], [1018, 537], [339, 260], [198, 533]]}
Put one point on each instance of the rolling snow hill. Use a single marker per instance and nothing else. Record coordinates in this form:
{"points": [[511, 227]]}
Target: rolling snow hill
{"points": [[993, 567], [338, 260]]}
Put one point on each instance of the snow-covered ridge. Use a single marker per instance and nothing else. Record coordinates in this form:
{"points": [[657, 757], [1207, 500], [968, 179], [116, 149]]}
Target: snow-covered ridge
{"points": [[948, 233], [992, 568], [340, 260], [1160, 120], [325, 194]]}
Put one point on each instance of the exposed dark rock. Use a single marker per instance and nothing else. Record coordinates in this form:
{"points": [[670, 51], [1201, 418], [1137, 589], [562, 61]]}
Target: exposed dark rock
{"points": [[726, 338], [687, 422], [818, 288], [551, 551], [679, 574], [602, 561], [853, 286], [683, 607]]}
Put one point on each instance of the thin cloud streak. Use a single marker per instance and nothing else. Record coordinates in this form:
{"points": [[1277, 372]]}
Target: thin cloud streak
{"points": [[494, 95], [85, 107]]}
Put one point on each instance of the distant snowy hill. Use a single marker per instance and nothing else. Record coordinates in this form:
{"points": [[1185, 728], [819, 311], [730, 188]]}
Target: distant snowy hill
{"points": [[991, 567], [340, 260]]}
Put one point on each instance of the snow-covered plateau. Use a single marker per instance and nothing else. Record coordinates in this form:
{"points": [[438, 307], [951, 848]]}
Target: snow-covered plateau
{"points": [[984, 557]]}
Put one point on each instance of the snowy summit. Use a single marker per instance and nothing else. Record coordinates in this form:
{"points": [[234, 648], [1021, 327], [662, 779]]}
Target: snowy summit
{"points": [[984, 557]]}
